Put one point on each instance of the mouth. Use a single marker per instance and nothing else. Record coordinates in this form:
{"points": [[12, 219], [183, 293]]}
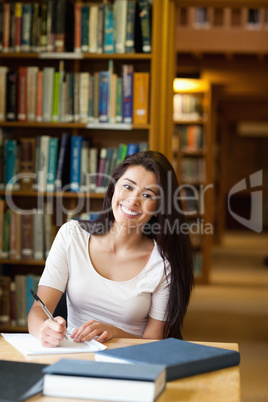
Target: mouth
{"points": [[128, 211]]}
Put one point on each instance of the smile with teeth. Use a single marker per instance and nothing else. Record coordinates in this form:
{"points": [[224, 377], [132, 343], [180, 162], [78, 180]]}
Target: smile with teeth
{"points": [[128, 211]]}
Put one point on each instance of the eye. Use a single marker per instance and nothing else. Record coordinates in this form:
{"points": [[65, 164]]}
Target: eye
{"points": [[146, 195], [127, 187]]}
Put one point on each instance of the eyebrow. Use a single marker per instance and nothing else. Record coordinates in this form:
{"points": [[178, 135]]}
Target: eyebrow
{"points": [[145, 188]]}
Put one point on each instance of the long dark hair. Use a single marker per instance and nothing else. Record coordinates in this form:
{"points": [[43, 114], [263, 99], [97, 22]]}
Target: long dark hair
{"points": [[174, 244]]}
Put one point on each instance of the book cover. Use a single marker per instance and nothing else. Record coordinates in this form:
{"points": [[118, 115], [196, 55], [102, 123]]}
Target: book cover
{"points": [[20, 380], [127, 93], [75, 166], [140, 98], [181, 358], [93, 380]]}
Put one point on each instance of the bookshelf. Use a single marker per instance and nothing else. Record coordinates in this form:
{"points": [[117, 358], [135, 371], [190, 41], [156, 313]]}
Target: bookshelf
{"points": [[192, 161], [158, 63], [237, 27]]}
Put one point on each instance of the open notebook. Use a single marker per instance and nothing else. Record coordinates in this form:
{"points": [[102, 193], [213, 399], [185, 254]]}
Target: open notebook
{"points": [[29, 345]]}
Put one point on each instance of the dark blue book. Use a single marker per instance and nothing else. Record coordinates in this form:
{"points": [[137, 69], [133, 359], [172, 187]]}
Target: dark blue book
{"points": [[105, 381], [132, 149], [75, 169], [62, 175], [181, 358], [20, 380], [104, 97]]}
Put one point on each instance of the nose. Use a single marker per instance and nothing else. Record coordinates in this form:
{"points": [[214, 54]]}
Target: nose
{"points": [[134, 198]]}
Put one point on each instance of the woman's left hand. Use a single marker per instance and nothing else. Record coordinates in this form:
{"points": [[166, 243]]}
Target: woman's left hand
{"points": [[91, 329]]}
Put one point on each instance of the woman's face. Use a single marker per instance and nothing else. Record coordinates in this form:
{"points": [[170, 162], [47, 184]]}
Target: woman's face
{"points": [[134, 200]]}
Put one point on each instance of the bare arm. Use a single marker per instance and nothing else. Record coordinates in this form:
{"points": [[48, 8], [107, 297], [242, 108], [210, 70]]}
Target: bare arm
{"points": [[48, 331], [104, 332]]}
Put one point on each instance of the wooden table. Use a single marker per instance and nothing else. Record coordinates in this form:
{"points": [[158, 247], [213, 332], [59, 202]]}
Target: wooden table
{"points": [[217, 386]]}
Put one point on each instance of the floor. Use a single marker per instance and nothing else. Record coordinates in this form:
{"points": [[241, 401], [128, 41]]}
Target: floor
{"points": [[234, 307]]}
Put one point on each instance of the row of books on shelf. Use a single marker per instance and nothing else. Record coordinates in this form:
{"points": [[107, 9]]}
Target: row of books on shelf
{"points": [[120, 27], [16, 299], [69, 163], [58, 26], [193, 170], [208, 17], [25, 234], [50, 95], [187, 106], [188, 137]]}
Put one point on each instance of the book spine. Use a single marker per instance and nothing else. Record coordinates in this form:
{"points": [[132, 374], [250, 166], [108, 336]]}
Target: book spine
{"points": [[77, 27], [22, 94], [50, 33], [84, 182], [10, 158], [104, 97], [5, 299], [31, 92], [26, 237], [140, 98], [100, 28], [83, 107], [101, 169], [35, 29], [1, 27], [130, 27], [43, 163], [109, 44], [60, 26], [93, 28], [120, 12], [3, 85], [29, 297], [145, 21], [43, 42], [85, 28], [93, 168], [39, 97], [38, 235], [48, 86], [127, 93], [20, 299], [11, 95], [91, 99], [26, 27], [61, 161], [27, 146], [6, 27], [48, 228], [52, 163], [18, 24], [12, 31], [76, 147], [56, 94]]}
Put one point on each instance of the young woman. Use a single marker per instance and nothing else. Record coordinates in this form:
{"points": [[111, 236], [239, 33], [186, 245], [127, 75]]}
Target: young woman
{"points": [[128, 273]]}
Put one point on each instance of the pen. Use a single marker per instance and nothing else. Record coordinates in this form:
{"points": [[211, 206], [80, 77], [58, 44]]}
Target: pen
{"points": [[48, 313]]}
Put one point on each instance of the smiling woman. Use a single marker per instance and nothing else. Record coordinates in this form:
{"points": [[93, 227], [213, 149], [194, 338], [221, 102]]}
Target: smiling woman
{"points": [[128, 273]]}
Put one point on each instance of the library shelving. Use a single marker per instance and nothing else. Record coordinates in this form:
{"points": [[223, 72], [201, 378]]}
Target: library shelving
{"points": [[156, 59], [192, 161], [237, 27]]}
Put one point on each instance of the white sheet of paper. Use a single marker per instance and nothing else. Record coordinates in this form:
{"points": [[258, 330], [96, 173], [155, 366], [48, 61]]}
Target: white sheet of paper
{"points": [[29, 345]]}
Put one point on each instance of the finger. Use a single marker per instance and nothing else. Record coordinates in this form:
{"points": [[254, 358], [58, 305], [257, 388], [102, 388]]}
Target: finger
{"points": [[87, 337], [103, 337], [85, 329]]}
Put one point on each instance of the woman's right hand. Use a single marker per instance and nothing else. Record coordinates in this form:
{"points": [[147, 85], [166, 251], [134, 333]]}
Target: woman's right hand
{"points": [[52, 332]]}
